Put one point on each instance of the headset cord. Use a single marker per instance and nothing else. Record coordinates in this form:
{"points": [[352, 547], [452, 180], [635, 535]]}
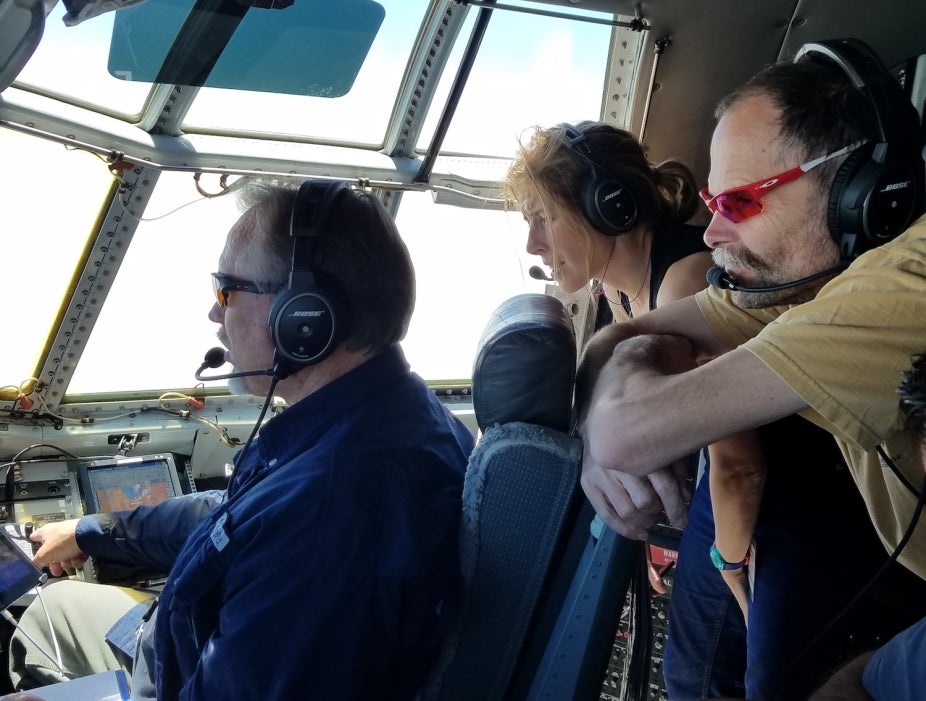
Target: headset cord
{"points": [[864, 590], [897, 473], [260, 420]]}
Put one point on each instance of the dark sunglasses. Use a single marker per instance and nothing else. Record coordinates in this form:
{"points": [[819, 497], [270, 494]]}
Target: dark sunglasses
{"points": [[739, 203], [223, 284]]}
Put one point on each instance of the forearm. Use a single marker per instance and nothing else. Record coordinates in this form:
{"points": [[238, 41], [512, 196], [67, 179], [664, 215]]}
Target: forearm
{"points": [[633, 403], [643, 416], [680, 318], [595, 356], [737, 479], [147, 536]]}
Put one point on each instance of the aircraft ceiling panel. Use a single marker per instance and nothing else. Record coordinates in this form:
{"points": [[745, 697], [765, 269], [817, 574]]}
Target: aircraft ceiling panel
{"points": [[704, 59], [893, 29]]}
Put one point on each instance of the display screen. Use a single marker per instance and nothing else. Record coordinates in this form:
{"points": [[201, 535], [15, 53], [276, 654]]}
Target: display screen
{"points": [[17, 573], [120, 484]]}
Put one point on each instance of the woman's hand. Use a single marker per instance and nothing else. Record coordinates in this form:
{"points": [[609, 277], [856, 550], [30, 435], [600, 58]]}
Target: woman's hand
{"points": [[738, 581]]}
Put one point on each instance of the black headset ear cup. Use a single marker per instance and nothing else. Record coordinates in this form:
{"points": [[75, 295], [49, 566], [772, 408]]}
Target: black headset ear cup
{"points": [[870, 202], [308, 318], [607, 203], [304, 325], [835, 209], [878, 190]]}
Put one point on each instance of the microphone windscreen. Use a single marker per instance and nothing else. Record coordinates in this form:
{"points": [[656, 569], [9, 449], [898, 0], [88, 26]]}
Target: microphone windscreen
{"points": [[215, 358], [538, 273], [717, 277]]}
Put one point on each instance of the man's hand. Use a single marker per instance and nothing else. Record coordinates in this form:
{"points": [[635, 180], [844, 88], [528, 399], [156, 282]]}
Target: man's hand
{"points": [[58, 547], [664, 354], [622, 387], [629, 504]]}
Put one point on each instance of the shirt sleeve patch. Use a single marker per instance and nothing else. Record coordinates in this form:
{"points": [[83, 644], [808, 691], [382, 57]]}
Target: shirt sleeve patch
{"points": [[218, 536]]}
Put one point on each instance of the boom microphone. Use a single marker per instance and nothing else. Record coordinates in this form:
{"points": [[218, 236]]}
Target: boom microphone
{"points": [[538, 273], [215, 358], [718, 277]]}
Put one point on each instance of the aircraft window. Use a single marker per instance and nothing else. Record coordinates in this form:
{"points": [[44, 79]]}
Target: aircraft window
{"points": [[467, 262], [530, 70], [85, 82], [358, 117], [46, 223], [153, 330], [299, 49]]}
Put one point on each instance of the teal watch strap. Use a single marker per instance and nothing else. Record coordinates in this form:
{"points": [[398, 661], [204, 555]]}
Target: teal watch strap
{"points": [[722, 564]]}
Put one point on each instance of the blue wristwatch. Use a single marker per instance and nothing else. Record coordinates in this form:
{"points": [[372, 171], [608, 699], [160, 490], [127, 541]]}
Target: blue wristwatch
{"points": [[722, 564]]}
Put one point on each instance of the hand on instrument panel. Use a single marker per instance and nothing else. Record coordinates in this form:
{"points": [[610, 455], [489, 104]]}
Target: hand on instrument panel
{"points": [[58, 547]]}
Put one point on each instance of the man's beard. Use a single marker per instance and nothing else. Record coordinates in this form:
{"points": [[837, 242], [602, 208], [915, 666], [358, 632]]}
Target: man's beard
{"points": [[763, 276], [236, 385]]}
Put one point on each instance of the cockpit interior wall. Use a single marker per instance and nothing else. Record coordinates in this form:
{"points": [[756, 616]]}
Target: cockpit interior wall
{"points": [[709, 48]]}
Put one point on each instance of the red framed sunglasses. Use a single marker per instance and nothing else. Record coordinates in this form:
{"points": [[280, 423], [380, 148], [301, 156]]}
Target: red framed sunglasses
{"points": [[744, 201]]}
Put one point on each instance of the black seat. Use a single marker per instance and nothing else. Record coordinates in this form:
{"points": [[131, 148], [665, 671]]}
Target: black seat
{"points": [[519, 493], [543, 594]]}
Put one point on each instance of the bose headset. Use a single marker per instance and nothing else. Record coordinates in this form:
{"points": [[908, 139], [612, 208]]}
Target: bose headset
{"points": [[607, 203], [308, 317], [878, 190]]}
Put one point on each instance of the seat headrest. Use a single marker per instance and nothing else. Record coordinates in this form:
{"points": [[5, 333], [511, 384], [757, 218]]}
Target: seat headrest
{"points": [[526, 364]]}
